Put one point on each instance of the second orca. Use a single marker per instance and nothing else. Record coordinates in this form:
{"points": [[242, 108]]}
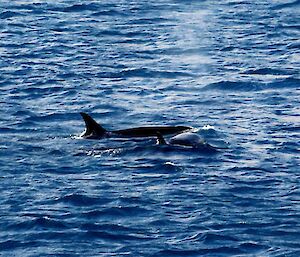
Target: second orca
{"points": [[188, 139]]}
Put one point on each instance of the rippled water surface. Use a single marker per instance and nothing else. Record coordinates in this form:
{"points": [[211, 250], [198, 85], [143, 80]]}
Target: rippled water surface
{"points": [[230, 69]]}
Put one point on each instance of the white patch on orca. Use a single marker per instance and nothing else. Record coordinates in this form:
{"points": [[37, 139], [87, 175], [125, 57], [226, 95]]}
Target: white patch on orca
{"points": [[186, 139]]}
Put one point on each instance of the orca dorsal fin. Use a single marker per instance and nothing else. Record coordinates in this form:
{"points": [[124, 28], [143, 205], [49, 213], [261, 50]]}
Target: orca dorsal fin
{"points": [[93, 129], [160, 139]]}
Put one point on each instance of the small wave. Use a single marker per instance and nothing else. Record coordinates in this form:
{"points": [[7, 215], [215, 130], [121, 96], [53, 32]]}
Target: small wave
{"points": [[109, 13], [119, 211], [153, 20], [246, 190], [4, 130], [294, 45], [33, 91], [220, 251], [266, 71], [9, 245], [290, 147], [77, 8], [210, 238], [181, 252], [44, 222], [129, 34], [290, 128], [9, 14], [46, 118], [251, 169], [115, 236], [251, 86], [234, 86], [251, 247], [82, 200], [21, 113], [24, 6], [144, 73], [290, 27], [238, 3], [294, 4], [290, 82], [227, 48], [107, 227]]}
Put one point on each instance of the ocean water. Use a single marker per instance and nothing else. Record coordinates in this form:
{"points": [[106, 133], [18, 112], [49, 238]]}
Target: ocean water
{"points": [[230, 69]]}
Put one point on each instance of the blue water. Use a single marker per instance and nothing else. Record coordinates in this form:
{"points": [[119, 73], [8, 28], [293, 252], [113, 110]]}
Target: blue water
{"points": [[230, 69]]}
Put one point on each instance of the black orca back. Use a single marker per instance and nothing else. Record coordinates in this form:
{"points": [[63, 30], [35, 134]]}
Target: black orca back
{"points": [[151, 131]]}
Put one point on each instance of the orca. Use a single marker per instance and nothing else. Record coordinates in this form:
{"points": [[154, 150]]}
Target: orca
{"points": [[188, 139], [94, 130]]}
